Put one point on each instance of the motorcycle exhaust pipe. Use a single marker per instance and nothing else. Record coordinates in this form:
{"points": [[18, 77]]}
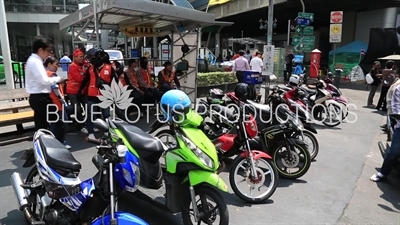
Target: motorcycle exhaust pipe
{"points": [[20, 193]]}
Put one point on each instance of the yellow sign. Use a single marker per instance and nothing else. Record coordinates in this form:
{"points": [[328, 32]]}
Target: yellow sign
{"points": [[336, 29], [217, 2], [132, 31], [275, 58]]}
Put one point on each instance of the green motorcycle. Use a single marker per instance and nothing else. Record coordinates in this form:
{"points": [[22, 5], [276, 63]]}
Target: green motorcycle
{"points": [[189, 174]]}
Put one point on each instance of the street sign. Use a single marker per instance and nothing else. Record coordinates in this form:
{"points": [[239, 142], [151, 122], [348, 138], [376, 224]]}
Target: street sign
{"points": [[335, 33], [337, 17], [309, 30], [303, 21], [306, 47], [309, 16], [335, 29], [268, 60], [335, 38], [306, 40]]}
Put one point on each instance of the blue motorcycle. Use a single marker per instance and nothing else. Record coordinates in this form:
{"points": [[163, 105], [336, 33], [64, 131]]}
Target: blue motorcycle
{"points": [[59, 197]]}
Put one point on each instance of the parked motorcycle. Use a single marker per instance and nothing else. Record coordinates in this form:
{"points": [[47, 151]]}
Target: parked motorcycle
{"points": [[59, 197], [190, 168], [392, 120], [264, 115], [279, 140], [249, 165]]}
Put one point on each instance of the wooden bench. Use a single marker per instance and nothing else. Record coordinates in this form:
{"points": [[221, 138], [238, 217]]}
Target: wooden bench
{"points": [[14, 108]]}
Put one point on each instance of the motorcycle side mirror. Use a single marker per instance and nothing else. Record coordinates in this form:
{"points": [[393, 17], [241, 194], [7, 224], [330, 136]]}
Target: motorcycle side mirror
{"points": [[101, 125]]}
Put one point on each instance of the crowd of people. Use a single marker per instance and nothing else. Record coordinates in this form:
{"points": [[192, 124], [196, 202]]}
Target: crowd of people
{"points": [[389, 101], [88, 73]]}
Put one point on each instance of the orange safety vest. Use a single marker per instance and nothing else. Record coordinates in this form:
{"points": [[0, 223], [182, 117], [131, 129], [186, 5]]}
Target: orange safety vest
{"points": [[74, 85], [147, 78], [133, 78], [104, 73], [167, 79], [53, 96], [122, 79]]}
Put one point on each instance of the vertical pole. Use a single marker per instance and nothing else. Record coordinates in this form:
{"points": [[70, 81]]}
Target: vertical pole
{"points": [[37, 29], [288, 33], [65, 6], [334, 56], [5, 46], [155, 48], [96, 23], [269, 42], [126, 46], [73, 38]]}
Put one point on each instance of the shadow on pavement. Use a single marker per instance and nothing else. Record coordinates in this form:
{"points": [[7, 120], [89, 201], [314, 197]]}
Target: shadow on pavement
{"points": [[288, 182], [323, 127], [5, 174], [390, 192]]}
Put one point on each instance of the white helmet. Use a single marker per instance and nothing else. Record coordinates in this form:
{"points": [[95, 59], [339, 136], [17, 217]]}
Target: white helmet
{"points": [[294, 79]]}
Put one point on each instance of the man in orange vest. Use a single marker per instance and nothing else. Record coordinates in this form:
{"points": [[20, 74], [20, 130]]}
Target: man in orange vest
{"points": [[146, 82], [76, 73], [167, 78], [98, 74]]}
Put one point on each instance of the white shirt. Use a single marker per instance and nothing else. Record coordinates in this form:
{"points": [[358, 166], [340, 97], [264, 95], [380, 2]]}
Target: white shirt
{"points": [[256, 64], [36, 79]]}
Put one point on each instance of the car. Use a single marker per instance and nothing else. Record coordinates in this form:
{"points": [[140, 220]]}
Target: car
{"points": [[116, 55], [18, 67]]}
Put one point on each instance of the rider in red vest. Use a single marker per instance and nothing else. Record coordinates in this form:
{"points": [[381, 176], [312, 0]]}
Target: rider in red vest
{"points": [[76, 73], [99, 74], [146, 82]]}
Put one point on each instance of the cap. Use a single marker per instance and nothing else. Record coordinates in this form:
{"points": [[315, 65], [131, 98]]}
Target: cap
{"points": [[78, 52]]}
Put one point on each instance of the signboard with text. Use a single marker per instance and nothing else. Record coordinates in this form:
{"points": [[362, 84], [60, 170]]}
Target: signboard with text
{"points": [[335, 29], [268, 60]]}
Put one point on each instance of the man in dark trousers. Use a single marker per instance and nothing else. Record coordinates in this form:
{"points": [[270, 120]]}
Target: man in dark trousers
{"points": [[289, 65], [374, 86], [38, 83]]}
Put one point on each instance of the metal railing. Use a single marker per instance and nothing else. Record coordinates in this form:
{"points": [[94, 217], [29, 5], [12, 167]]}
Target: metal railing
{"points": [[40, 8]]}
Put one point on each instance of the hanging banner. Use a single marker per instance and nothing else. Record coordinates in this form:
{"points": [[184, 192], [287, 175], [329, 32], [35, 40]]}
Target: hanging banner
{"points": [[217, 2], [133, 31]]}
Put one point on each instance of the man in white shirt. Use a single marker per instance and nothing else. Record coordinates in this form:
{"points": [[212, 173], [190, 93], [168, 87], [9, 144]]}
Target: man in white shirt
{"points": [[256, 63], [38, 83]]}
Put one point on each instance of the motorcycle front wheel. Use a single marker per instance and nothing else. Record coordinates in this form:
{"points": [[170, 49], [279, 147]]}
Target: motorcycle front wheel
{"points": [[243, 183], [312, 143], [293, 165], [214, 211]]}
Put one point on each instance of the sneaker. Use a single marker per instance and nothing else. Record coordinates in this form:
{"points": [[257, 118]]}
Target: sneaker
{"points": [[377, 177], [84, 130]]}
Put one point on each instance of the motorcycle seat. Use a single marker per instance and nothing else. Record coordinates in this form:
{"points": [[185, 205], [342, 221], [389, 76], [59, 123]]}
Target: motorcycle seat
{"points": [[225, 111], [139, 139], [395, 117], [259, 106], [311, 86], [56, 155], [309, 91]]}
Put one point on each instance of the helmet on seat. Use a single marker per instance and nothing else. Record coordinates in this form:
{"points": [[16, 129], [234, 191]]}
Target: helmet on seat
{"points": [[294, 80], [215, 95], [176, 106], [242, 91]]}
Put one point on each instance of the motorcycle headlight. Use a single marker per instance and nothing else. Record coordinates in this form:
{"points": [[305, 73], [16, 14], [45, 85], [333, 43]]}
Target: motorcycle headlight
{"points": [[204, 158], [127, 176]]}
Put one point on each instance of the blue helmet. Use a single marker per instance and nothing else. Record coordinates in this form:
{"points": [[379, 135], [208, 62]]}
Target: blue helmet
{"points": [[174, 103]]}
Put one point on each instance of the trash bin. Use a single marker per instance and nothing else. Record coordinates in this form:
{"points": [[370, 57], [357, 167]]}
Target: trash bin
{"points": [[336, 79]]}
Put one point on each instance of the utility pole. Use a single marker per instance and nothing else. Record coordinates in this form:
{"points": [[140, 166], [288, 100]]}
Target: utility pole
{"points": [[5, 46], [269, 42]]}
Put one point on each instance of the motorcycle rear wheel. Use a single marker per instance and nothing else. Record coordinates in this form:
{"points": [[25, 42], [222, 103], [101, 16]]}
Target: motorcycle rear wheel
{"points": [[205, 192], [334, 123], [237, 163], [280, 158], [34, 207]]}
